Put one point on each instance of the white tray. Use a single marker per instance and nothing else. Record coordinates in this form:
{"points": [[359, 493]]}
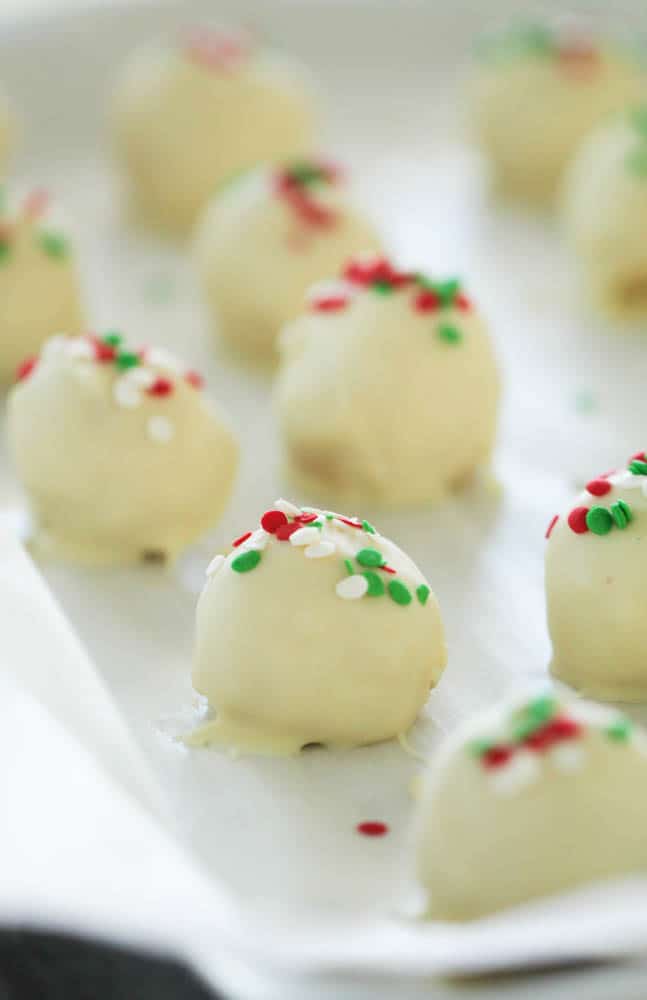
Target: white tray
{"points": [[280, 834]]}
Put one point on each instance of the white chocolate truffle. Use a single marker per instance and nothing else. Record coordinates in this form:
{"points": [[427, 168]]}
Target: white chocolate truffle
{"points": [[534, 97], [265, 239], [605, 214], [388, 388], [190, 113], [39, 287], [597, 605], [534, 798], [314, 629], [121, 454]]}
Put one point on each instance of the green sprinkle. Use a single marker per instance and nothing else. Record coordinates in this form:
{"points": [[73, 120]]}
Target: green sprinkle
{"points": [[399, 593], [637, 160], [422, 593], [370, 557], [479, 747], [315, 524], [542, 709], [536, 714], [375, 584], [367, 526], [446, 290], [306, 173], [620, 730], [450, 334], [125, 360], [112, 339], [621, 513], [246, 561], [53, 244], [349, 567], [599, 520], [329, 517], [5, 250], [383, 287], [638, 118], [637, 467]]}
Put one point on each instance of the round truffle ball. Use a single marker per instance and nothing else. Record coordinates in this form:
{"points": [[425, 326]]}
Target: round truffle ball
{"points": [[535, 94], [265, 239], [121, 454], [597, 603], [534, 798], [314, 629], [191, 112], [605, 214], [388, 388], [39, 287]]}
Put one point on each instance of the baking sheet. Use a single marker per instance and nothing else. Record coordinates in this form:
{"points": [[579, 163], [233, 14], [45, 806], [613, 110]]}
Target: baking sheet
{"points": [[280, 834]]}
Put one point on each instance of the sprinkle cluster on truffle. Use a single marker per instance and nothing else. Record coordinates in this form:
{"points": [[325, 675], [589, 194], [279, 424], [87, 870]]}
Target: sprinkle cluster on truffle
{"points": [[298, 185], [378, 276], [33, 212], [367, 574], [575, 55], [137, 372], [598, 519], [636, 160], [545, 728], [217, 51]]}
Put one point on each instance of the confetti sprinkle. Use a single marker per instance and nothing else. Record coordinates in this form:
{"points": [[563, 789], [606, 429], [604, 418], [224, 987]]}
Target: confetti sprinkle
{"points": [[126, 393], [549, 529], [399, 592], [272, 520], [160, 387], [242, 538], [53, 244], [621, 513], [351, 588], [26, 368], [319, 551], [422, 593], [375, 584], [369, 557], [372, 828], [577, 520], [599, 487], [449, 333], [246, 561]]}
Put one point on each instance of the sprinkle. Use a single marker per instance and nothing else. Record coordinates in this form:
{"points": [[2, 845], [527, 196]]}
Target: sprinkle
{"points": [[349, 566], [372, 828], [330, 303], [159, 357], [599, 487], [112, 339], [449, 333], [398, 592], [161, 387], [142, 377], [126, 394], [287, 508], [496, 756], [242, 538], [368, 527], [352, 587], [127, 359], [194, 378], [306, 517], [246, 561], [519, 773], [53, 244], [346, 520], [286, 530], [215, 564], [463, 303], [599, 520], [387, 569], [305, 536], [620, 730], [25, 368], [577, 520], [272, 520], [103, 352], [422, 593], [621, 513], [549, 529], [369, 557], [383, 287], [426, 301], [638, 467], [320, 551], [160, 429], [375, 584]]}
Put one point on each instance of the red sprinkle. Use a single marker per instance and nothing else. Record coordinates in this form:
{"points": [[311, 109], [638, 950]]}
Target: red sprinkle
{"points": [[549, 529], [103, 352], [331, 303], [387, 569], [426, 301], [639, 457], [462, 302], [577, 520], [195, 379], [372, 828], [284, 532], [160, 387], [239, 541], [367, 273], [564, 728], [26, 367], [598, 487], [497, 756], [306, 518], [346, 520], [272, 520]]}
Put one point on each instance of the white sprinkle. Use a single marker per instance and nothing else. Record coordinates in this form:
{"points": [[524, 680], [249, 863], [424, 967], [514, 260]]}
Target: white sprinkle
{"points": [[510, 778], [330, 289], [160, 429], [305, 536], [80, 348], [320, 550], [628, 481], [140, 376], [55, 346], [215, 565], [257, 540], [159, 357], [352, 587], [286, 507], [125, 393], [568, 757]]}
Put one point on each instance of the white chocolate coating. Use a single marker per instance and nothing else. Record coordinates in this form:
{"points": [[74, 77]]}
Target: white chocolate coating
{"points": [[554, 813], [531, 108], [257, 257], [596, 599], [114, 471], [185, 119], [605, 214], [296, 651], [376, 407], [39, 287]]}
